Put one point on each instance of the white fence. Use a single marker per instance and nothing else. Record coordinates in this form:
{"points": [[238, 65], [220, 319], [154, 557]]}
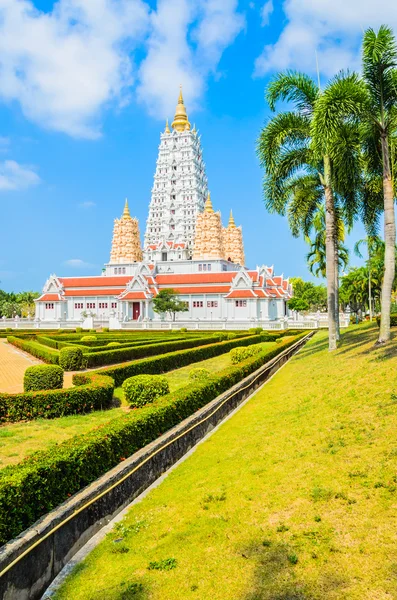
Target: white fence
{"points": [[296, 322]]}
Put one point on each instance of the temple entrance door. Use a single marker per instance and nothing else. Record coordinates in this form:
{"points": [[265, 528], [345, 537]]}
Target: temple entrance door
{"points": [[136, 310]]}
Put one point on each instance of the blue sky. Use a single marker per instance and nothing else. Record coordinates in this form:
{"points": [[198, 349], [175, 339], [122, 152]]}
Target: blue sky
{"points": [[85, 86]]}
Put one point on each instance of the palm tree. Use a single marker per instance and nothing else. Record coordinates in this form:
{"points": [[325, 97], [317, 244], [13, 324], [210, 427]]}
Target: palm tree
{"points": [[297, 180], [370, 100]]}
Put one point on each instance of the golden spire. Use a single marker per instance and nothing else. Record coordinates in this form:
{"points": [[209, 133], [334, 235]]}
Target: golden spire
{"points": [[167, 129], [208, 204], [126, 212], [232, 224], [180, 122]]}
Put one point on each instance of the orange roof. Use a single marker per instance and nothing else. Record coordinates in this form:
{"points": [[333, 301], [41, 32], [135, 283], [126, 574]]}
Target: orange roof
{"points": [[94, 292], [101, 281], [50, 298], [220, 289], [134, 296], [198, 278], [241, 294]]}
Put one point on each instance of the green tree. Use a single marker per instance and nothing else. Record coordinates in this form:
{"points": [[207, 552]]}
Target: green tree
{"points": [[298, 179], [167, 301], [307, 296], [371, 100]]}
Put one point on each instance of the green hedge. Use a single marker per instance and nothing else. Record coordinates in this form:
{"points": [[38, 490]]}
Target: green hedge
{"points": [[143, 389], [393, 320], [109, 357], [175, 360], [46, 354], [93, 392], [237, 355], [43, 377], [71, 359], [40, 483]]}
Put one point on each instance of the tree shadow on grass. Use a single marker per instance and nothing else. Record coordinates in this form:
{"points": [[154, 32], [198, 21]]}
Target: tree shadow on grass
{"points": [[275, 578]]}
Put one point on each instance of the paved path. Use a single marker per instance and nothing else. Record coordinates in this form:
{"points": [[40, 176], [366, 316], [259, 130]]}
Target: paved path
{"points": [[13, 364]]}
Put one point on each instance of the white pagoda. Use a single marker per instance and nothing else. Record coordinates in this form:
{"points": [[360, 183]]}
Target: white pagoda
{"points": [[179, 191]]}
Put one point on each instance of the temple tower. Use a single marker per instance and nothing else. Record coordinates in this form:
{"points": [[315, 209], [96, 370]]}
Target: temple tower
{"points": [[208, 243], [179, 189], [126, 244], [233, 242]]}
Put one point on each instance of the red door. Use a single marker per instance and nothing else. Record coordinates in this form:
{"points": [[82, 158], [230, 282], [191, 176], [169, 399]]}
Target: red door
{"points": [[136, 310]]}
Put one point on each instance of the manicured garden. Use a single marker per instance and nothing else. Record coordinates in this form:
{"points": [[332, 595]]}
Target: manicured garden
{"points": [[33, 484], [293, 498]]}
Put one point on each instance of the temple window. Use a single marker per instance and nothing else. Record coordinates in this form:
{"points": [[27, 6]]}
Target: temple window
{"points": [[90, 304], [208, 266], [78, 305], [204, 267], [200, 267], [114, 304], [103, 305], [198, 304], [241, 303], [212, 304], [49, 305]]}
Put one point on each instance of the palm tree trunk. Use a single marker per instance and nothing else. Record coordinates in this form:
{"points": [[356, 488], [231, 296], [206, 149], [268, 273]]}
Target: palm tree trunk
{"points": [[390, 242], [330, 251], [337, 297]]}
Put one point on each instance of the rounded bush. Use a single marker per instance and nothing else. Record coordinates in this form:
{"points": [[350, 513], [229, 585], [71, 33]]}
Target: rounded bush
{"points": [[239, 354], [43, 377], [71, 358], [105, 329], [92, 331], [255, 330], [143, 389], [88, 338], [199, 374], [113, 344], [8, 329], [79, 330], [183, 330], [231, 336], [221, 336]]}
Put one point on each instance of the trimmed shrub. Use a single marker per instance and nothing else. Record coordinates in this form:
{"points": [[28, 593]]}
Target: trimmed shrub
{"points": [[183, 330], [88, 338], [109, 357], [143, 389], [220, 335], [231, 336], [8, 329], [199, 374], [255, 330], [43, 377], [48, 355], [79, 330], [105, 329], [113, 344], [92, 331], [393, 320], [71, 358], [237, 355], [174, 360], [92, 392], [30, 489]]}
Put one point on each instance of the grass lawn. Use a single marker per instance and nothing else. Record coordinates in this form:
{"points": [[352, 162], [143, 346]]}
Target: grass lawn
{"points": [[19, 440], [294, 498]]}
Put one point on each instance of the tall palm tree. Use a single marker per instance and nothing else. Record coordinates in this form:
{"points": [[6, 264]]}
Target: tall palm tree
{"points": [[372, 101], [297, 179]]}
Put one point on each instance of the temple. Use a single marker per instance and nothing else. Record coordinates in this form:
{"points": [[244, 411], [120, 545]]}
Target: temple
{"points": [[186, 247]]}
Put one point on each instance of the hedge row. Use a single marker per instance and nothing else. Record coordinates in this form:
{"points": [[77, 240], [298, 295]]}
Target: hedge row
{"points": [[48, 355], [41, 482], [393, 320], [109, 357], [175, 360], [92, 392]]}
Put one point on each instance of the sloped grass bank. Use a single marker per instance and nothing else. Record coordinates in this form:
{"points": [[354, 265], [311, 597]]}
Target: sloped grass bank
{"points": [[293, 498], [46, 479]]}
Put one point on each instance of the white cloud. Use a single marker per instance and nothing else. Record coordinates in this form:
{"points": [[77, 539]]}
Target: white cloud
{"points": [[266, 11], [77, 263], [14, 176], [87, 204], [187, 40], [333, 28], [63, 67]]}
